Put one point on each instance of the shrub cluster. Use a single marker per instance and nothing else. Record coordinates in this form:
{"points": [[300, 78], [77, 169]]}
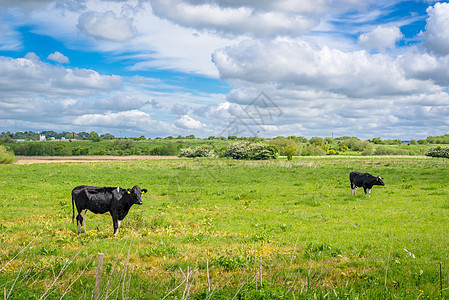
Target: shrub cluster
{"points": [[438, 152], [42, 149], [6, 157], [200, 151], [384, 150], [246, 150]]}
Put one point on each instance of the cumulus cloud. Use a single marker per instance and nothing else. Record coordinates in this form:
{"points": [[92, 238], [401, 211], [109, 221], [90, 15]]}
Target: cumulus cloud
{"points": [[107, 26], [58, 57], [187, 122], [132, 118], [436, 36], [300, 65], [291, 50], [381, 38]]}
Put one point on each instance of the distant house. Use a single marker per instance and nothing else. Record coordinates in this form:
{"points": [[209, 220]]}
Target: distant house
{"points": [[42, 137]]}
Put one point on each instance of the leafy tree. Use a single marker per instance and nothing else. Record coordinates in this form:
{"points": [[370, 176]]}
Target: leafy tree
{"points": [[93, 136], [313, 150], [107, 136], [290, 150], [316, 140]]}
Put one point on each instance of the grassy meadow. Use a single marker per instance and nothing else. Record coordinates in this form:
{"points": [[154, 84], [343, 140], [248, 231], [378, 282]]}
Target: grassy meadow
{"points": [[311, 237]]}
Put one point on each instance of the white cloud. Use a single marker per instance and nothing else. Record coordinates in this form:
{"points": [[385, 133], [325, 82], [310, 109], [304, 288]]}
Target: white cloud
{"points": [[303, 54], [106, 26], [301, 66], [29, 75], [133, 118], [58, 57], [187, 122], [436, 36], [381, 37], [234, 20]]}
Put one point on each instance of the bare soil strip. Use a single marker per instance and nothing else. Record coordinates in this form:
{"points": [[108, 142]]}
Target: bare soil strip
{"points": [[22, 160]]}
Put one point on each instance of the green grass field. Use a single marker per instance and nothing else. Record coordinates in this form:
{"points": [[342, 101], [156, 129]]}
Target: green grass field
{"points": [[312, 238]]}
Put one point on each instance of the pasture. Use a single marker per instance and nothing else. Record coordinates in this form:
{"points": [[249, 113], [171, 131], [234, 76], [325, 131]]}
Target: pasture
{"points": [[311, 237]]}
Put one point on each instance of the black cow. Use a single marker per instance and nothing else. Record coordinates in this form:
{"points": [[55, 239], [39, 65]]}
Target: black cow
{"points": [[99, 200], [364, 180]]}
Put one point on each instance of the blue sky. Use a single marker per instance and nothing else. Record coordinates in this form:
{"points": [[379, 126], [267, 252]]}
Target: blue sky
{"points": [[179, 67]]}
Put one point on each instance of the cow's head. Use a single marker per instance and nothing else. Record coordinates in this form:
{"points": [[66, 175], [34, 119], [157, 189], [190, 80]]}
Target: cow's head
{"points": [[136, 194], [379, 181]]}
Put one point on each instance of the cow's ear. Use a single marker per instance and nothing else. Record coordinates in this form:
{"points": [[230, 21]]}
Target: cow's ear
{"points": [[144, 191]]}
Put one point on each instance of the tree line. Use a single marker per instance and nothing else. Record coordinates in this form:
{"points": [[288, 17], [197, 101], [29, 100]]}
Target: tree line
{"points": [[189, 146]]}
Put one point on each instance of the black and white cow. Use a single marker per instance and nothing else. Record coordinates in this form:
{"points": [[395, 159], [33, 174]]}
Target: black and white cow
{"points": [[365, 180], [100, 200]]}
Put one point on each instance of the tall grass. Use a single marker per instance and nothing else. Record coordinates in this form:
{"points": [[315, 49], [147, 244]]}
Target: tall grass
{"points": [[315, 239], [6, 157]]}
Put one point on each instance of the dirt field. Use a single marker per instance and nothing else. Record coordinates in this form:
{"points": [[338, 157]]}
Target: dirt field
{"points": [[21, 160]]}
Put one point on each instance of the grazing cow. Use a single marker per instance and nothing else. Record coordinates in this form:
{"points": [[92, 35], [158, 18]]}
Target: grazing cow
{"points": [[99, 200], [364, 180]]}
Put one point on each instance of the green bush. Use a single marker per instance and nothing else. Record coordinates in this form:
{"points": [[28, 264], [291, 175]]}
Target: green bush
{"points": [[385, 150], [438, 152], [289, 151], [246, 150], [200, 151], [80, 150], [237, 150], [167, 149], [6, 157], [281, 143], [313, 150]]}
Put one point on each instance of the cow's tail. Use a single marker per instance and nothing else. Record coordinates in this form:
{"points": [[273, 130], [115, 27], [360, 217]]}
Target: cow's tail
{"points": [[73, 207]]}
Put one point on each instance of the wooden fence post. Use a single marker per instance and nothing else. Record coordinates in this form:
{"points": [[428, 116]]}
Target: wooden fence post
{"points": [[208, 279], [98, 276]]}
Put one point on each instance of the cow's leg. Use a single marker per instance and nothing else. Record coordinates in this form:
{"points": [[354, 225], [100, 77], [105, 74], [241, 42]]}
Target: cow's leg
{"points": [[116, 224], [79, 220], [364, 188], [369, 193], [83, 215], [355, 190]]}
